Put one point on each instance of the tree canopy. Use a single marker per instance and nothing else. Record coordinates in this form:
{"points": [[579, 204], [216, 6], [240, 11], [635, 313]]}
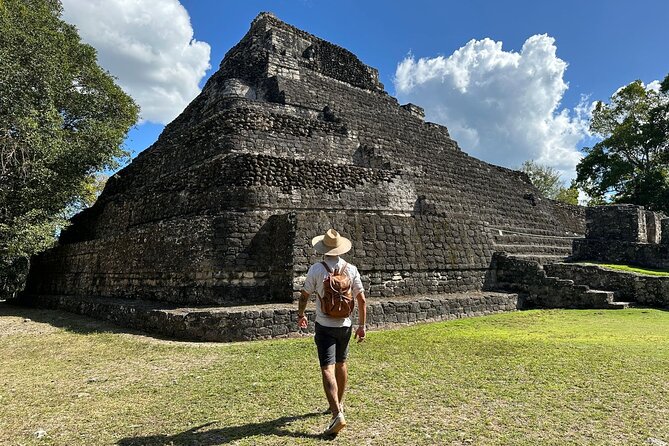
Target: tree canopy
{"points": [[62, 119], [544, 178], [549, 182], [630, 163]]}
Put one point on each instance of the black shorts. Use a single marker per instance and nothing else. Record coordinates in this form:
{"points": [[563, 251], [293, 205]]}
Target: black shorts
{"points": [[332, 343]]}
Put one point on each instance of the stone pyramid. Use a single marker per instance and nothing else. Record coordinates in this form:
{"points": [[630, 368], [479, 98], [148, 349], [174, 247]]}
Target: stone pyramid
{"points": [[294, 135]]}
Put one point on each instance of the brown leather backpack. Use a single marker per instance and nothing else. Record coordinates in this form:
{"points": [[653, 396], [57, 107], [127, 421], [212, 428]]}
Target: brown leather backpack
{"points": [[337, 300]]}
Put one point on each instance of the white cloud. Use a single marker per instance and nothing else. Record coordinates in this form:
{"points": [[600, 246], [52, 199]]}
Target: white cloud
{"points": [[502, 107], [654, 86], [148, 45]]}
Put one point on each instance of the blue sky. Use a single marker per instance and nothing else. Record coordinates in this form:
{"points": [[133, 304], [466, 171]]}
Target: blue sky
{"points": [[555, 58]]}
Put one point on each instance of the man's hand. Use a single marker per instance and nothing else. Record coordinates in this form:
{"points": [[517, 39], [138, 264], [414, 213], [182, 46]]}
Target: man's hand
{"points": [[360, 333], [301, 308], [362, 316]]}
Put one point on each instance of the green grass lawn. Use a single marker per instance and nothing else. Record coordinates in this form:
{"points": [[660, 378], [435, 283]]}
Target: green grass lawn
{"points": [[632, 269], [534, 377]]}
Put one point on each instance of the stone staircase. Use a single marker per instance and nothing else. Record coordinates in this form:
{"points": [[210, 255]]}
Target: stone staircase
{"points": [[609, 297], [542, 287], [539, 245], [596, 278]]}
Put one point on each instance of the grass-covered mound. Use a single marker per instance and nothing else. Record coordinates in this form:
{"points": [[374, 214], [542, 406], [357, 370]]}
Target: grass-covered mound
{"points": [[534, 377], [633, 269]]}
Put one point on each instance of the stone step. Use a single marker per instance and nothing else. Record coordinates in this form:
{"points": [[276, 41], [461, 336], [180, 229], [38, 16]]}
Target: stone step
{"points": [[605, 295], [565, 282], [619, 305], [251, 322], [537, 249], [534, 231], [624, 285], [542, 259], [529, 239], [577, 273], [598, 298]]}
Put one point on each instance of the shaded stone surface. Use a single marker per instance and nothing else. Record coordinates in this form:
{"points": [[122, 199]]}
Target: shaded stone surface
{"points": [[538, 289], [253, 322], [294, 135], [627, 286], [625, 234]]}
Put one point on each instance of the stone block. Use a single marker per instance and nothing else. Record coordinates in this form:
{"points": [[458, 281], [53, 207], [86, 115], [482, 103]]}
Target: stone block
{"points": [[664, 231], [622, 222]]}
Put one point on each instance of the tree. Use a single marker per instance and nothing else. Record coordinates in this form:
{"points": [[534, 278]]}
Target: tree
{"points": [[568, 195], [544, 178], [630, 163], [92, 187], [549, 182], [62, 118]]}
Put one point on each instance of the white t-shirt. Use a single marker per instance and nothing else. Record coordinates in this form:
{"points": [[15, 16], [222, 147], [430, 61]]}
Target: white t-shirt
{"points": [[314, 283]]}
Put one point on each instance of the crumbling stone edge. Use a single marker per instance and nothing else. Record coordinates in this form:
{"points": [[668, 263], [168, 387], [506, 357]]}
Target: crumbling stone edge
{"points": [[228, 324], [646, 290]]}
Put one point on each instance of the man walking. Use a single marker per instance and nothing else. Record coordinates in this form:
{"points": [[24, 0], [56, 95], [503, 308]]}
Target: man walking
{"points": [[336, 284]]}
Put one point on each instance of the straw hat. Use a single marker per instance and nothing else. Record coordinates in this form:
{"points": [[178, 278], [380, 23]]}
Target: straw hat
{"points": [[331, 244]]}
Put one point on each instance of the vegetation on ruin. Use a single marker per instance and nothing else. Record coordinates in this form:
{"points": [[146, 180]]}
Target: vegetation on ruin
{"points": [[632, 269], [62, 119], [549, 182], [631, 162], [535, 377]]}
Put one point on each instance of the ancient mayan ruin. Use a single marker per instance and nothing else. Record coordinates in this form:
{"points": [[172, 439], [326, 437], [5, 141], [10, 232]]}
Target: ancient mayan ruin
{"points": [[205, 235]]}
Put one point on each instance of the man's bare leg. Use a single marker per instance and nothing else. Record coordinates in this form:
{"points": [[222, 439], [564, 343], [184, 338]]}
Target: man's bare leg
{"points": [[341, 374], [330, 387]]}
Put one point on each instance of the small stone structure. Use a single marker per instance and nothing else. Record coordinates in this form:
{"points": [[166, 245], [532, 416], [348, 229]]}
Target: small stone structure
{"points": [[293, 135], [253, 322], [652, 291], [538, 289], [626, 234]]}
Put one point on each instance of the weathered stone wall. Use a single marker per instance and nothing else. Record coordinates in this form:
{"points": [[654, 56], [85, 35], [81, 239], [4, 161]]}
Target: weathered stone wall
{"points": [[229, 258], [571, 217], [616, 222], [270, 321], [400, 256], [248, 253], [643, 289], [664, 231], [539, 290], [624, 234], [626, 253]]}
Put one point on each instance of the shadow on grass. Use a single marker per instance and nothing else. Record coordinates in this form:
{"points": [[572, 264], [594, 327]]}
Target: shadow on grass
{"points": [[225, 435], [62, 319]]}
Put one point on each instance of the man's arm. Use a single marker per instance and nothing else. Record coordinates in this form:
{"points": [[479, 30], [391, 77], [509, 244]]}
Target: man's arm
{"points": [[301, 308], [362, 317]]}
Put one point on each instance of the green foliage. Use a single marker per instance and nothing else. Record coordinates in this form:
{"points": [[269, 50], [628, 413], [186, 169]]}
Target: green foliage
{"points": [[549, 182], [630, 164], [568, 195], [596, 201], [544, 178], [62, 118], [92, 187]]}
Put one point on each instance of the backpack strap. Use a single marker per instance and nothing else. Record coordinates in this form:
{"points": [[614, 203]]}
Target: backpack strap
{"points": [[331, 271], [327, 268], [342, 270]]}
